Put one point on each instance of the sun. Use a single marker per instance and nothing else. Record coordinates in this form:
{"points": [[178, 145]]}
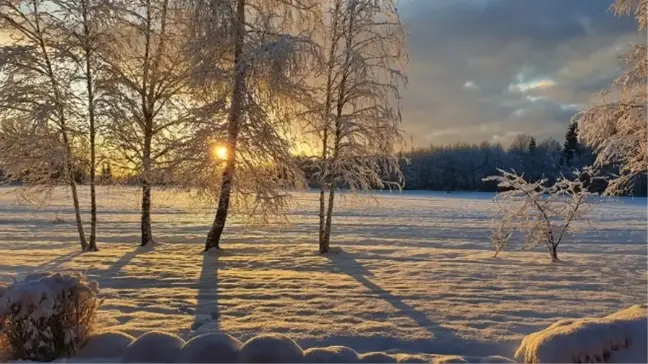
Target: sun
{"points": [[220, 152]]}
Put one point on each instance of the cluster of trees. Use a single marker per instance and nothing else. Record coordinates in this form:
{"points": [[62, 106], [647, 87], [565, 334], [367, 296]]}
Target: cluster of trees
{"points": [[462, 167], [201, 95]]}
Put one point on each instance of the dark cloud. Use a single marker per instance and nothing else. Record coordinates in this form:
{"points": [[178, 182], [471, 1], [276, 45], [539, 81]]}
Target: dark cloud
{"points": [[485, 69]]}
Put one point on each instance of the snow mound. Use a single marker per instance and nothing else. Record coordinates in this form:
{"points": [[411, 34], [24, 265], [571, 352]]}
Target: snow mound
{"points": [[210, 348], [270, 348], [495, 359], [449, 359], [620, 337], [376, 357], [330, 354], [411, 358], [107, 344], [153, 347]]}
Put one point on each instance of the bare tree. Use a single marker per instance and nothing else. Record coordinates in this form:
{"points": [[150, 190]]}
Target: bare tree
{"points": [[147, 92], [616, 124], [36, 100], [83, 26], [268, 50], [544, 214], [356, 121]]}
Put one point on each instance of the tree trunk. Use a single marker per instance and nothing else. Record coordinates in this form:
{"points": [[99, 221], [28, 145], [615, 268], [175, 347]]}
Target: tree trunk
{"points": [[92, 246], [323, 245], [553, 250], [147, 233], [77, 213], [213, 238], [329, 217]]}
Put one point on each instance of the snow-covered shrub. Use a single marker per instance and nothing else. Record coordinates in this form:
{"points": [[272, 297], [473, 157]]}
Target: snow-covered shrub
{"points": [[210, 348], [153, 347], [543, 213], [107, 344], [47, 316], [270, 348], [330, 354], [617, 338], [376, 357]]}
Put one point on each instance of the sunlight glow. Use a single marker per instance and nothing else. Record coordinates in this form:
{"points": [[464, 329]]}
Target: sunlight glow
{"points": [[219, 152]]}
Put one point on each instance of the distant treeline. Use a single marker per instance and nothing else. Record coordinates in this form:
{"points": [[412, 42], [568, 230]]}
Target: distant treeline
{"points": [[461, 166]]}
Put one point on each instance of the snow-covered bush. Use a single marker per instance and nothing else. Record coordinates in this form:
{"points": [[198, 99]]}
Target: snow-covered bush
{"points": [[271, 348], [47, 316], [543, 213], [617, 338], [153, 347]]}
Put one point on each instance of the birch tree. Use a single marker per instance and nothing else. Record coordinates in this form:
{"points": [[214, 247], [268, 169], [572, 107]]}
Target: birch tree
{"points": [[147, 92], [83, 26], [357, 120], [616, 124], [268, 51], [40, 126]]}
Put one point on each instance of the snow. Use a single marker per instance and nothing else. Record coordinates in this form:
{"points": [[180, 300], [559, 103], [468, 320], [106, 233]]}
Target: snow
{"points": [[271, 348], [153, 347], [210, 348], [617, 338], [105, 344], [415, 273], [330, 354]]}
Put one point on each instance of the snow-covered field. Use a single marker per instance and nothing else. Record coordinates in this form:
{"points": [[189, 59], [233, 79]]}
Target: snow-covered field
{"points": [[415, 274]]}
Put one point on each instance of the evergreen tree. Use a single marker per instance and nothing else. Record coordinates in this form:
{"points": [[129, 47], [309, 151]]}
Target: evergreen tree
{"points": [[532, 146], [571, 148]]}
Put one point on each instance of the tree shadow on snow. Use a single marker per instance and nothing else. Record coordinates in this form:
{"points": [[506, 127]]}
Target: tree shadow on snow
{"points": [[56, 262], [444, 340], [206, 311]]}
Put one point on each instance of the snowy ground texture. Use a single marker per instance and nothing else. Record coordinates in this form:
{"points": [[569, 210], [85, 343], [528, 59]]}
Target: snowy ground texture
{"points": [[415, 273]]}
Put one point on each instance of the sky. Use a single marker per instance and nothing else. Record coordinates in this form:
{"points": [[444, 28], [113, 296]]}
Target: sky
{"points": [[490, 69]]}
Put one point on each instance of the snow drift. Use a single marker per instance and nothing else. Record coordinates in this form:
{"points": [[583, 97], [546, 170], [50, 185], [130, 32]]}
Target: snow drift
{"points": [[153, 347], [271, 348], [210, 348], [617, 338], [107, 344]]}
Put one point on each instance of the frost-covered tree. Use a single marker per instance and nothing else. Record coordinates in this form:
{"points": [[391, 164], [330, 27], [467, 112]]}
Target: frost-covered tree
{"points": [[616, 124], [84, 27], [39, 123], [544, 213], [255, 55], [357, 118], [147, 95]]}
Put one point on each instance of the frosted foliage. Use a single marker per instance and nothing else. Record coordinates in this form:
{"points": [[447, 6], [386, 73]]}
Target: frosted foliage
{"points": [[47, 315], [376, 357], [620, 337], [330, 354], [153, 347], [210, 348], [615, 124], [543, 213], [270, 348], [108, 344]]}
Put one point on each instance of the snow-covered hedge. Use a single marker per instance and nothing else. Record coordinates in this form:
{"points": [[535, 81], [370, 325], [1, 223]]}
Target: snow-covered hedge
{"points": [[47, 316], [617, 338]]}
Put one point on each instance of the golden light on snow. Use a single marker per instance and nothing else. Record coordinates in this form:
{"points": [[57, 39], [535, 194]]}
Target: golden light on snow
{"points": [[219, 152]]}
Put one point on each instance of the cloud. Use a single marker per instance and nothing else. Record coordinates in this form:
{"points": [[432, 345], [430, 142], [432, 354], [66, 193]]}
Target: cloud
{"points": [[508, 64]]}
